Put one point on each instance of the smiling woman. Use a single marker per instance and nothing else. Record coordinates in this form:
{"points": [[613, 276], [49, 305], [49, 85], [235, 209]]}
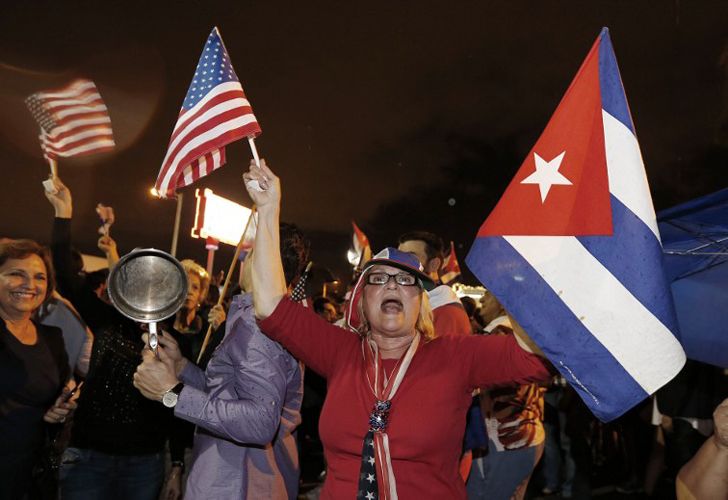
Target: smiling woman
{"points": [[33, 363], [394, 416]]}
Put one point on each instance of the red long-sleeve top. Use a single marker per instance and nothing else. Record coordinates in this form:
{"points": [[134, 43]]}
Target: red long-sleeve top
{"points": [[427, 418]]}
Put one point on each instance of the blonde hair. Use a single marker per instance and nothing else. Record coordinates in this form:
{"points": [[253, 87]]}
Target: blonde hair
{"points": [[424, 324], [195, 269]]}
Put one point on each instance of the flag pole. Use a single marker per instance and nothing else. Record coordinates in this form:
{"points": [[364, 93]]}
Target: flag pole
{"points": [[177, 218], [254, 150], [54, 167], [227, 280]]}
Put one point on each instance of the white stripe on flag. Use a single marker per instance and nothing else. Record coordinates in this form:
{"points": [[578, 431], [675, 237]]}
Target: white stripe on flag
{"points": [[77, 137], [216, 91], [237, 122], [627, 182], [77, 88], [99, 108], [99, 120], [215, 159], [187, 174], [75, 100], [204, 117], [633, 335], [202, 166], [99, 144]]}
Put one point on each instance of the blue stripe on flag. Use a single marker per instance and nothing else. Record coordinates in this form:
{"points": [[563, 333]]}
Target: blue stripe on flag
{"points": [[634, 256], [603, 383], [614, 101]]}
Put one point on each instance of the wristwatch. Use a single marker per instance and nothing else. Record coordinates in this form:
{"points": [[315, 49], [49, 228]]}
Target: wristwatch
{"points": [[169, 398]]}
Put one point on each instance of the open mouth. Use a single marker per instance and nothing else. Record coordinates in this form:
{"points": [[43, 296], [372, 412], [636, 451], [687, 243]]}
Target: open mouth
{"points": [[392, 306]]}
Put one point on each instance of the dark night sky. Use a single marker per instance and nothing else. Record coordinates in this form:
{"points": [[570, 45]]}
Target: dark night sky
{"points": [[381, 112]]}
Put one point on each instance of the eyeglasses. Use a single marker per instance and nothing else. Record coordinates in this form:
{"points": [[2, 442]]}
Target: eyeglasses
{"points": [[381, 278]]}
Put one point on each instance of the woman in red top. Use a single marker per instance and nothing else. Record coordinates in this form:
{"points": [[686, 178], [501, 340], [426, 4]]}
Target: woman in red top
{"points": [[393, 420]]}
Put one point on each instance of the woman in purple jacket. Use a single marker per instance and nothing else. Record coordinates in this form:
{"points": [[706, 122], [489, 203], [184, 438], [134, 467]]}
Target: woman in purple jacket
{"points": [[246, 404]]}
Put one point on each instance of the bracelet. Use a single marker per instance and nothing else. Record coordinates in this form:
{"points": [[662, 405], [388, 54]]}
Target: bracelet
{"points": [[178, 463]]}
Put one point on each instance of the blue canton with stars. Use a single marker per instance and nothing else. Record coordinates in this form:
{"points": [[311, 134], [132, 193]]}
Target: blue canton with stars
{"points": [[213, 69]]}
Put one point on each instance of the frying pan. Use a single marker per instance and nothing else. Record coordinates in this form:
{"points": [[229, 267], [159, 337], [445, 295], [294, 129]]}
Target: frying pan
{"points": [[148, 285]]}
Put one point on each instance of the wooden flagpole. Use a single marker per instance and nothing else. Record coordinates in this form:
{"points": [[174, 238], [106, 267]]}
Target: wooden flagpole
{"points": [[177, 218], [254, 150], [227, 280], [54, 167]]}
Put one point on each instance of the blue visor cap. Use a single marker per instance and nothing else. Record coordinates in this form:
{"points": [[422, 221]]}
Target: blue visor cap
{"points": [[404, 261]]}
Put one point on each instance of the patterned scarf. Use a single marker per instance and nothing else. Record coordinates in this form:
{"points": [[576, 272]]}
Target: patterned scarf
{"points": [[376, 477]]}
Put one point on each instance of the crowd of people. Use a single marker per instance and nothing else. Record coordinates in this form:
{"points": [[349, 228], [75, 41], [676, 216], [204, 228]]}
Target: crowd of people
{"points": [[412, 391]]}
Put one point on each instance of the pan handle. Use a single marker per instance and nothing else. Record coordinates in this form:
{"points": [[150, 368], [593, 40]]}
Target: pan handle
{"points": [[153, 342]]}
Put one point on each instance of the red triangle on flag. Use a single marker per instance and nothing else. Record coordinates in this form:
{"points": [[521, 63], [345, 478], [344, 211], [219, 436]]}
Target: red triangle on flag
{"points": [[562, 188]]}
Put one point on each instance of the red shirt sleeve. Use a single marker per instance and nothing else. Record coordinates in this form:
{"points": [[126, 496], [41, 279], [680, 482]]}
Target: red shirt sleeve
{"points": [[310, 338], [498, 360]]}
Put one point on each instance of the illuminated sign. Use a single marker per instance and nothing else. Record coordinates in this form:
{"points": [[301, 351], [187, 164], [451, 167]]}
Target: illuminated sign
{"points": [[219, 218]]}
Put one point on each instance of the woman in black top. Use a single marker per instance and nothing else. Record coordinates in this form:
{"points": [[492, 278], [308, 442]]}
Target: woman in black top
{"points": [[33, 364], [118, 436]]}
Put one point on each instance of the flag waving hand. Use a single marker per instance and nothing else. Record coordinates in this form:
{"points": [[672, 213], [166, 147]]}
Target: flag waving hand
{"points": [[573, 252], [214, 113]]}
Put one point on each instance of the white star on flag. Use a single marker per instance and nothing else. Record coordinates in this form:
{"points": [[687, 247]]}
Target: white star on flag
{"points": [[370, 495], [547, 174], [371, 460], [370, 478]]}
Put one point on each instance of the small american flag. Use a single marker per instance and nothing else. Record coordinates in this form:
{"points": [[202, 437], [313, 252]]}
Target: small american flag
{"points": [[214, 113], [298, 294], [74, 120]]}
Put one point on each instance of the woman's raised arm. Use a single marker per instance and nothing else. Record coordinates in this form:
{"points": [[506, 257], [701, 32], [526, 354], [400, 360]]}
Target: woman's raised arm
{"points": [[270, 283]]}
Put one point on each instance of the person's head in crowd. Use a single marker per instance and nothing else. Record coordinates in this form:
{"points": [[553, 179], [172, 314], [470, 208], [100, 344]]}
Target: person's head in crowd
{"points": [[26, 277], [389, 299], [198, 284], [469, 305], [294, 247], [427, 247], [325, 308], [97, 281], [490, 308], [471, 309]]}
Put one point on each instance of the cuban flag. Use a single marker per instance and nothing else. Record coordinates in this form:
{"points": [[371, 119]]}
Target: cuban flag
{"points": [[573, 252]]}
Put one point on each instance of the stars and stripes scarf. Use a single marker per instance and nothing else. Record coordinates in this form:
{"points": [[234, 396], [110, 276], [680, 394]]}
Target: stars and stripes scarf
{"points": [[376, 477]]}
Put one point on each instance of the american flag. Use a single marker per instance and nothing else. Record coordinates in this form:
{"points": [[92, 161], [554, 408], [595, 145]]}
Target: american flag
{"points": [[298, 294], [74, 120], [214, 113]]}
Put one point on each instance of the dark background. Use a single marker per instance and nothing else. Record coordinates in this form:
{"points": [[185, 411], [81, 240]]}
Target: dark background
{"points": [[398, 115]]}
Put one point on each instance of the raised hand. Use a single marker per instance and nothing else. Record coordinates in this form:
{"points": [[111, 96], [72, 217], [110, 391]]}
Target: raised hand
{"points": [[269, 194], [61, 199], [216, 316]]}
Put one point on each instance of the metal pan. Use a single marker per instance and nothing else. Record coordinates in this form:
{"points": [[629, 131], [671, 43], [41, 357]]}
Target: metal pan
{"points": [[148, 285]]}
